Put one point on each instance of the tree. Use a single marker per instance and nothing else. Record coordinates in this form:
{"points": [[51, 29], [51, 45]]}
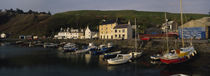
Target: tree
{"points": [[209, 12], [49, 13], [19, 11], [30, 11]]}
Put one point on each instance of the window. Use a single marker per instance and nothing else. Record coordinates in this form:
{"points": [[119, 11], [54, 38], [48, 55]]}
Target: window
{"points": [[119, 31], [107, 37], [115, 31], [119, 36], [111, 37], [123, 30], [115, 36], [123, 35]]}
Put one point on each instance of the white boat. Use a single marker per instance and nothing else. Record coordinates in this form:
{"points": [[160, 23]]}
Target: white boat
{"points": [[135, 54], [119, 59], [69, 47]]}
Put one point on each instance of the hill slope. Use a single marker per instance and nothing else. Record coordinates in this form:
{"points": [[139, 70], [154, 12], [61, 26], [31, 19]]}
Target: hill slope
{"points": [[43, 24]]}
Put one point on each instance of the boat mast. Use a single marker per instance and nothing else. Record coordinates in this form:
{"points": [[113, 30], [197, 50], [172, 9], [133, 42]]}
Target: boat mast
{"points": [[166, 20], [135, 36], [181, 12]]}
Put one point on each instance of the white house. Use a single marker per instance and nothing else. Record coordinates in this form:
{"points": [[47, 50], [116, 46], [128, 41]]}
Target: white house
{"points": [[90, 34], [70, 34], [3, 35]]}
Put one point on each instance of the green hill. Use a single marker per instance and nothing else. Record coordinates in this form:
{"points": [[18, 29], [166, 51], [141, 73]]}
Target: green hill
{"points": [[43, 24]]}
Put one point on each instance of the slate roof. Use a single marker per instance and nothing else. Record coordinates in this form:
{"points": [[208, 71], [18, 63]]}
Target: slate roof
{"points": [[121, 26], [108, 22]]}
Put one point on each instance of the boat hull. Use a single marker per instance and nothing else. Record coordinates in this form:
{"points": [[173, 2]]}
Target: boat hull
{"points": [[173, 61]]}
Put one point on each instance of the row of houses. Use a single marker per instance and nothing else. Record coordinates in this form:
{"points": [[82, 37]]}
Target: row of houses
{"points": [[107, 30], [76, 34]]}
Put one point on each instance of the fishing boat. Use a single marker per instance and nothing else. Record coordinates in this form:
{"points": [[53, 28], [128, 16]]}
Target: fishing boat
{"points": [[119, 59], [136, 53], [180, 55], [111, 54]]}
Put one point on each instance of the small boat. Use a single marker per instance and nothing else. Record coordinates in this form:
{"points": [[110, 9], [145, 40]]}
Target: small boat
{"points": [[50, 45], [119, 59], [96, 51], [135, 54], [179, 75], [82, 51], [156, 57], [111, 54], [69, 47]]}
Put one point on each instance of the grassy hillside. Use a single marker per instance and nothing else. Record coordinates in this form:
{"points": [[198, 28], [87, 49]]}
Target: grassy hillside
{"points": [[43, 24]]}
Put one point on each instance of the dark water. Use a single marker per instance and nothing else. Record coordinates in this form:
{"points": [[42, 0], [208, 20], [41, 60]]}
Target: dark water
{"points": [[19, 61]]}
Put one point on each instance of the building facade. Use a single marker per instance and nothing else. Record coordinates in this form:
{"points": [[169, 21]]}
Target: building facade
{"points": [[106, 30], [113, 30], [196, 29], [123, 31], [70, 34], [90, 34]]}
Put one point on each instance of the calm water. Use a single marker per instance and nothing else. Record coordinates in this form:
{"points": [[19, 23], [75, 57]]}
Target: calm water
{"points": [[19, 61]]}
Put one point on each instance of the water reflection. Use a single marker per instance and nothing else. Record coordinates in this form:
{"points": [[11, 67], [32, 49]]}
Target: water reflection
{"points": [[44, 62], [87, 58]]}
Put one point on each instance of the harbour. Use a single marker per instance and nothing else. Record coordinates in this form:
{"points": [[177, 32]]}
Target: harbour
{"points": [[41, 61]]}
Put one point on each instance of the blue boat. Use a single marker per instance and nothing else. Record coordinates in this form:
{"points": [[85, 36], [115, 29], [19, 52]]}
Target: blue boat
{"points": [[111, 54]]}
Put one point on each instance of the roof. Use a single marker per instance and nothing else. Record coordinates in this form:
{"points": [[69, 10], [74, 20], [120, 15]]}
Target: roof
{"points": [[108, 22], [205, 21], [121, 26]]}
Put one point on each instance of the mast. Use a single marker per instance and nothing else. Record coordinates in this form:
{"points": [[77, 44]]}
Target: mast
{"points": [[181, 10], [166, 20], [135, 36]]}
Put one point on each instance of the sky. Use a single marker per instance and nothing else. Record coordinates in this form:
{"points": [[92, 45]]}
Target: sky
{"points": [[56, 6]]}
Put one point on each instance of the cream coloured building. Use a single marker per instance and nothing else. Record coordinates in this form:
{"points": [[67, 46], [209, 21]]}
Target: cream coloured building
{"points": [[106, 30], [113, 30]]}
